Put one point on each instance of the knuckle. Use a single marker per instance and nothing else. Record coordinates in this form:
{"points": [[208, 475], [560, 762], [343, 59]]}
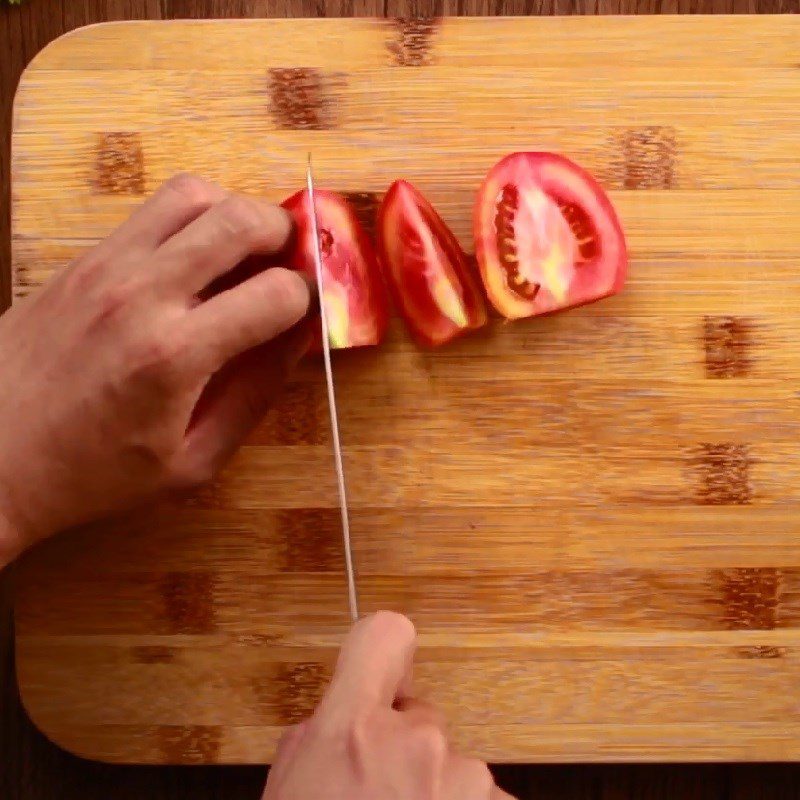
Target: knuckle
{"points": [[244, 218], [78, 282], [191, 189], [431, 743], [190, 473], [156, 358], [108, 302], [114, 298], [84, 271], [152, 446], [358, 728], [150, 354], [152, 453], [358, 734]]}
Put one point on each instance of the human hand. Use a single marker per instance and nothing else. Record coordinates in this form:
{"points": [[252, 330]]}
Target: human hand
{"points": [[368, 739], [118, 381]]}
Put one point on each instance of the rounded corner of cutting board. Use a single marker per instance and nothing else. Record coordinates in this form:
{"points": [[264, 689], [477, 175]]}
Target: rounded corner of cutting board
{"points": [[62, 45], [55, 51], [58, 736], [585, 579]]}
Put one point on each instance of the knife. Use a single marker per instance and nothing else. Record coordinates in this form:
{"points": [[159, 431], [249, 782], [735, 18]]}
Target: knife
{"points": [[337, 447]]}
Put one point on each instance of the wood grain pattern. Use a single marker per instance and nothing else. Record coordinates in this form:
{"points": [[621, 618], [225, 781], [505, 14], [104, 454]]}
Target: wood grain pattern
{"points": [[590, 517], [36, 770]]}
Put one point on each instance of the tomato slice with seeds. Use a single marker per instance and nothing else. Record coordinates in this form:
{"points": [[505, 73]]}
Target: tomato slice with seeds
{"points": [[354, 297], [428, 273], [547, 236]]}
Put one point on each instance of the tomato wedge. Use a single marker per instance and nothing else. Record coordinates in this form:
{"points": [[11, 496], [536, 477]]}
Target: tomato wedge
{"points": [[547, 236], [426, 269], [354, 297]]}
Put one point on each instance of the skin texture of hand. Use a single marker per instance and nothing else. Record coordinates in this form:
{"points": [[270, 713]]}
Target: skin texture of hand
{"points": [[368, 739], [125, 376]]}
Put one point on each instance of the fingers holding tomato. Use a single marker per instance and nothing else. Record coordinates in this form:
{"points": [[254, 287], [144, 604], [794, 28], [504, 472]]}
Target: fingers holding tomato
{"points": [[354, 297]]}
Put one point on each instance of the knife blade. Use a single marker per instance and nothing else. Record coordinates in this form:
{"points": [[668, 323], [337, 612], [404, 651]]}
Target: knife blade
{"points": [[334, 417]]}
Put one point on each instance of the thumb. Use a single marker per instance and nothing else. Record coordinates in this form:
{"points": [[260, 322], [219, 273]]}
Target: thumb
{"points": [[374, 666], [238, 395]]}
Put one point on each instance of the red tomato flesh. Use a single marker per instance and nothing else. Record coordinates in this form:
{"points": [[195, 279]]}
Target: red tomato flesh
{"points": [[547, 236], [354, 297], [426, 269]]}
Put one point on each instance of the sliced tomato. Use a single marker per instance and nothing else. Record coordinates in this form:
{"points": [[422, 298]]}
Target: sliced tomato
{"points": [[354, 297], [426, 269], [547, 236]]}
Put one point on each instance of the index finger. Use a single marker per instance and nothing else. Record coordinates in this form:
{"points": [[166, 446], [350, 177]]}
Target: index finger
{"points": [[177, 202], [374, 666], [222, 237]]}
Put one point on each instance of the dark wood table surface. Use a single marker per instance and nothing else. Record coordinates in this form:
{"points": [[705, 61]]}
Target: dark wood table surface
{"points": [[31, 768]]}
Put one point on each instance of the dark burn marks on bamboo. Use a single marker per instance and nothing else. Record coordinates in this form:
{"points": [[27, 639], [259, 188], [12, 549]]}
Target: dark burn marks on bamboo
{"points": [[310, 540], [22, 282], [761, 652], [297, 418], [289, 693], [213, 494], [721, 474], [259, 639], [22, 277], [727, 346], [189, 744], [412, 40], [298, 688], [749, 600], [646, 158], [302, 98], [187, 599], [119, 164], [152, 654]]}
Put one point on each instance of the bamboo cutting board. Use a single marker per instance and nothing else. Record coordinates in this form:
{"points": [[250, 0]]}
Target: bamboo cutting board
{"points": [[591, 517]]}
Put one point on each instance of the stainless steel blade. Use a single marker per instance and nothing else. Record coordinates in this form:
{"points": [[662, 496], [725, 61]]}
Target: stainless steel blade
{"points": [[337, 447]]}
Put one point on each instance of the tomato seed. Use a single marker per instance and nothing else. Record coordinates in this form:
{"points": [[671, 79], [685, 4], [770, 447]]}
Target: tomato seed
{"points": [[507, 245], [581, 227], [325, 243]]}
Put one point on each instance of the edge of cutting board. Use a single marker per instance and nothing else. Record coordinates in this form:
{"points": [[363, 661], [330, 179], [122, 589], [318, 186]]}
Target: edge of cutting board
{"points": [[785, 742]]}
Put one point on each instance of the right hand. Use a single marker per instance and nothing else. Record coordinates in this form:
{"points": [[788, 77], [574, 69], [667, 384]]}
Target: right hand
{"points": [[368, 739]]}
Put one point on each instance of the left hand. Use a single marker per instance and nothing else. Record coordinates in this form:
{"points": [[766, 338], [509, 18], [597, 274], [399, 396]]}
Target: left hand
{"points": [[121, 378]]}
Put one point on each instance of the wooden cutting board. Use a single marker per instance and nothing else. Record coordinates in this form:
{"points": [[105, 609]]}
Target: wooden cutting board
{"points": [[592, 518]]}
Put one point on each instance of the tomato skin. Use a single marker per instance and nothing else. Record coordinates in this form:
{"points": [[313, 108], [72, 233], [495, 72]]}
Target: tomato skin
{"points": [[425, 268], [356, 304], [546, 236]]}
